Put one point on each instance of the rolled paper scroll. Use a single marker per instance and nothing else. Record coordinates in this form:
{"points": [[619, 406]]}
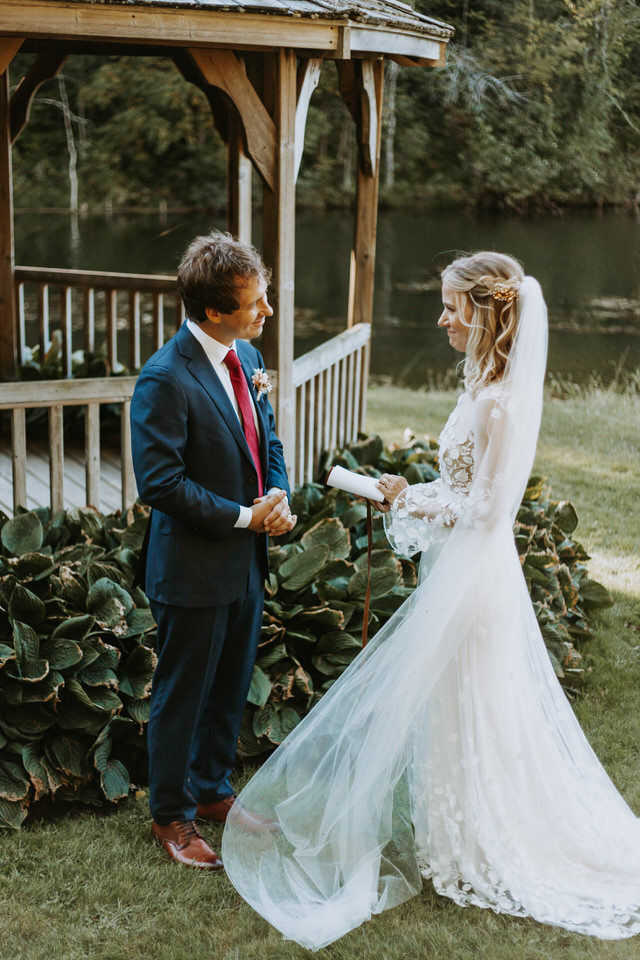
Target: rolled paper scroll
{"points": [[354, 483]]}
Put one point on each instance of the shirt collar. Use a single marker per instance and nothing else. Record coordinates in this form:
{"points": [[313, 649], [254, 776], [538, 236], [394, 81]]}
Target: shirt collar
{"points": [[215, 351]]}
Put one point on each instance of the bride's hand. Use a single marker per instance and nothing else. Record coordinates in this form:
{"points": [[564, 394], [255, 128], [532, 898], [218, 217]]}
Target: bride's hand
{"points": [[391, 486]]}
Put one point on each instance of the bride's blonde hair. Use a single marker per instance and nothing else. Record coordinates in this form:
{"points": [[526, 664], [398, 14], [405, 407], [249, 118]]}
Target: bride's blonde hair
{"points": [[490, 282]]}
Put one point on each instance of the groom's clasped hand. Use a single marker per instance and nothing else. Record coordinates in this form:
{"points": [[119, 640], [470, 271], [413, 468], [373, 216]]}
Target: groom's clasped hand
{"points": [[271, 514]]}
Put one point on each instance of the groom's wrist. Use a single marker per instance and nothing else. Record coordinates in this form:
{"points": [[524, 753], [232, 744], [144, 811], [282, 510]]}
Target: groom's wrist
{"points": [[244, 518]]}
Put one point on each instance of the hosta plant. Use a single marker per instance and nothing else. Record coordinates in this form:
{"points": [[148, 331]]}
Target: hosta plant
{"points": [[76, 639], [76, 657]]}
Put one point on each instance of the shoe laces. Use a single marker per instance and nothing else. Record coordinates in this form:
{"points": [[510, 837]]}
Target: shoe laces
{"points": [[187, 831]]}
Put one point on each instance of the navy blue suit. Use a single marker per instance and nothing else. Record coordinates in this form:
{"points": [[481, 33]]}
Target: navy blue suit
{"points": [[204, 577]]}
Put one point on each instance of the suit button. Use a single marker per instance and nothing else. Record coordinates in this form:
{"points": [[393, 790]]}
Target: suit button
{"points": [[252, 478]]}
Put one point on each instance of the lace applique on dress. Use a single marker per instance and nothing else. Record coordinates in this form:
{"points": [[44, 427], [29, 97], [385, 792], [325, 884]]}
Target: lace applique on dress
{"points": [[425, 512]]}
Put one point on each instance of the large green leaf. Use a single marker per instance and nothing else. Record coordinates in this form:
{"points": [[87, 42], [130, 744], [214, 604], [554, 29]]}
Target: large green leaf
{"points": [[594, 594], [260, 688], [137, 673], [23, 534], [69, 754], [383, 580], [331, 533], [275, 723], [32, 566], [61, 653], [300, 570], [26, 606], [35, 765], [30, 666], [12, 813], [109, 603], [114, 780], [14, 783]]}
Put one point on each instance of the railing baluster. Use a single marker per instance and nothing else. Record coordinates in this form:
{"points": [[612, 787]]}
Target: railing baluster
{"points": [[341, 368], [129, 491], [319, 418], [19, 457], [357, 387], [56, 458], [89, 311], [335, 392], [158, 321], [92, 454], [43, 318], [301, 431], [364, 382], [112, 327], [349, 421], [65, 324], [134, 330], [22, 337], [311, 433]]}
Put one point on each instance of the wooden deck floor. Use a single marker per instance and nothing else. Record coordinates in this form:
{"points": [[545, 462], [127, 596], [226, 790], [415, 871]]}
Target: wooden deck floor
{"points": [[74, 477]]}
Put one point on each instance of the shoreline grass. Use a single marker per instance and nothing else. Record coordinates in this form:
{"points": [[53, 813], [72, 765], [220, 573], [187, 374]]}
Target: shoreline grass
{"points": [[91, 886]]}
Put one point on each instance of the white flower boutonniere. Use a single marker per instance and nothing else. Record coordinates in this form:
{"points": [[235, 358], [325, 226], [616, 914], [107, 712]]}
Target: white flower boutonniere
{"points": [[261, 382]]}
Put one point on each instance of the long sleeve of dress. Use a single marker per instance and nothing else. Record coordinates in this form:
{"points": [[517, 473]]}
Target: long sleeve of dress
{"points": [[472, 452]]}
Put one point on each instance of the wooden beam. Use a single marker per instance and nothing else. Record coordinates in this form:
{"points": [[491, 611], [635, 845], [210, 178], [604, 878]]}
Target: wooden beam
{"points": [[238, 184], [9, 46], [369, 118], [371, 40], [279, 241], [223, 69], [364, 249], [170, 26], [307, 81], [46, 66], [8, 317], [218, 102]]}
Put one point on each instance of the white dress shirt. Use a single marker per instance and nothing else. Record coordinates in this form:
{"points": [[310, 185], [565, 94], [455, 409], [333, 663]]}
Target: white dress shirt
{"points": [[216, 352]]}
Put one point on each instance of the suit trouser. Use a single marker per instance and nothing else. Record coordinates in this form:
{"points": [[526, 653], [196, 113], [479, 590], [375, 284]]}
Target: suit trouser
{"points": [[200, 686]]}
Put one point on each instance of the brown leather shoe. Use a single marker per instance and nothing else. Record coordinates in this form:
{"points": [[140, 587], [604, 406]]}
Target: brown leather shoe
{"points": [[244, 819], [182, 841], [218, 810]]}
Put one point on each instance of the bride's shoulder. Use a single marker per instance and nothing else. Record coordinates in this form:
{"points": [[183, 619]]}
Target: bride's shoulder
{"points": [[491, 402]]}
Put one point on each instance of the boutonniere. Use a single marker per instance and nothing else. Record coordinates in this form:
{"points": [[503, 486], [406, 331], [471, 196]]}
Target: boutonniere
{"points": [[261, 382]]}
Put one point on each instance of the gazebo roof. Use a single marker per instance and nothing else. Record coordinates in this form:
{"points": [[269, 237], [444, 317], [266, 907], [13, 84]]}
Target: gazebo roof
{"points": [[386, 13], [328, 28]]}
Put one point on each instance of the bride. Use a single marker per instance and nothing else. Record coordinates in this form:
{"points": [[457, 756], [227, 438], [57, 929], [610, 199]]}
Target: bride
{"points": [[447, 750]]}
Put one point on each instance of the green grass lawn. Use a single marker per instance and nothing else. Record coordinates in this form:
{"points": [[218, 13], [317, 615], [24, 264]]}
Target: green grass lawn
{"points": [[91, 885]]}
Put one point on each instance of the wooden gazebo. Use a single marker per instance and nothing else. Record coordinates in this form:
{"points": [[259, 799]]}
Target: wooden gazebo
{"points": [[258, 62]]}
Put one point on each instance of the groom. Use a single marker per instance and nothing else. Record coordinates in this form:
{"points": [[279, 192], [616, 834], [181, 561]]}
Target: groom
{"points": [[209, 463]]}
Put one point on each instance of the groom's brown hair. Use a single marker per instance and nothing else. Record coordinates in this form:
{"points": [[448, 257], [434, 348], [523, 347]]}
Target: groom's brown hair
{"points": [[212, 269]]}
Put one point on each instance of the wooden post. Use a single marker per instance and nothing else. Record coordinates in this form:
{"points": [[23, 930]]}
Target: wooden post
{"points": [[8, 325], [278, 240], [363, 256], [239, 169]]}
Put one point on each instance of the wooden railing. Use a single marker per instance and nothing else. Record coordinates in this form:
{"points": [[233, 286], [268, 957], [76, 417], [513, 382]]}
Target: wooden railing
{"points": [[123, 312], [330, 381], [54, 396], [331, 397]]}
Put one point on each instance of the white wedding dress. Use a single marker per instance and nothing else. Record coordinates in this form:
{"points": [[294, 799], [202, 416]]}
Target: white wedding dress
{"points": [[447, 750]]}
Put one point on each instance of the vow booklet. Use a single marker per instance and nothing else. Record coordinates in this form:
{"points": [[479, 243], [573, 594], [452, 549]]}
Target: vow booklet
{"points": [[353, 482]]}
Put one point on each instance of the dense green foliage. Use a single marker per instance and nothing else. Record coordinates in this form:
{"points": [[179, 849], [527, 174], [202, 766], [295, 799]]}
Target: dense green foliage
{"points": [[538, 106], [76, 637]]}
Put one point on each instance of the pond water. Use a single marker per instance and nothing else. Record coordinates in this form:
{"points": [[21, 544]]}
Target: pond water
{"points": [[588, 265]]}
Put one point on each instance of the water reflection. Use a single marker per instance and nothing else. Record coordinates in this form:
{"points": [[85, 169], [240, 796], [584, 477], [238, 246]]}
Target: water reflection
{"points": [[587, 263]]}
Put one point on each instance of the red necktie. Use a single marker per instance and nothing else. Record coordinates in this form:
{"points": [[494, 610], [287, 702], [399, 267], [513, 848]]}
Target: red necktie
{"points": [[241, 390]]}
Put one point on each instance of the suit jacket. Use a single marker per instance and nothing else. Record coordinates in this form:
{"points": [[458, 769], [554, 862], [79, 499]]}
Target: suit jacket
{"points": [[193, 467]]}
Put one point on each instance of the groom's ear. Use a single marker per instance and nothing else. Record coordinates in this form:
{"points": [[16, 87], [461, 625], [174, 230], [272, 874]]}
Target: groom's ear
{"points": [[214, 315]]}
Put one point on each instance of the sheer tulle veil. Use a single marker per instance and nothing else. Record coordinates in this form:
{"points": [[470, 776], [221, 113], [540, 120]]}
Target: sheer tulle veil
{"points": [[397, 774]]}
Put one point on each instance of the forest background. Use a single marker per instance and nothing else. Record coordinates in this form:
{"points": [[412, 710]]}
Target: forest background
{"points": [[538, 108]]}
